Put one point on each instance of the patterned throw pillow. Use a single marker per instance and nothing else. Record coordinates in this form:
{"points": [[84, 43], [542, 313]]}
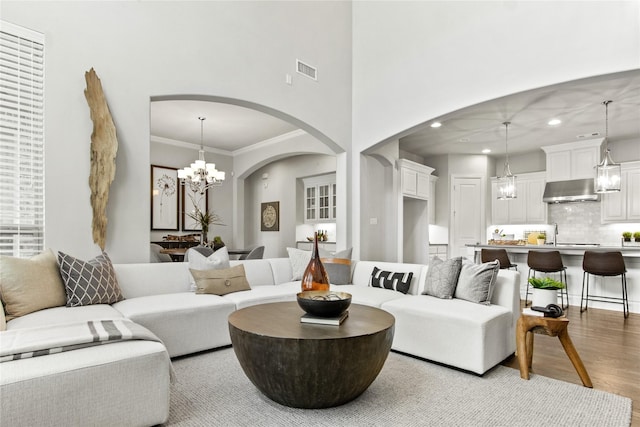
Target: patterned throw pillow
{"points": [[442, 277], [299, 260], [476, 281], [389, 280], [89, 282]]}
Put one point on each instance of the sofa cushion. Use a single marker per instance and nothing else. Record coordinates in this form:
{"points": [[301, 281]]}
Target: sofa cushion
{"points": [[264, 295], [89, 282], [221, 282], [389, 280], [442, 277], [58, 315], [28, 285], [185, 322], [299, 260], [476, 281], [367, 295]]}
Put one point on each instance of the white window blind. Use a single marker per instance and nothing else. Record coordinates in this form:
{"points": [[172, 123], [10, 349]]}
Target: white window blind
{"points": [[21, 141]]}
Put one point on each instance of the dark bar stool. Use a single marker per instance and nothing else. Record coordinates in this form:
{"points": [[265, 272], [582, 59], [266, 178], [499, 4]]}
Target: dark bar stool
{"points": [[547, 262], [488, 255], [605, 264]]}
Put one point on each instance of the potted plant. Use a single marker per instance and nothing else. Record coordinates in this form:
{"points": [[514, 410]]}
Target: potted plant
{"points": [[545, 291], [626, 236], [542, 238], [636, 236]]}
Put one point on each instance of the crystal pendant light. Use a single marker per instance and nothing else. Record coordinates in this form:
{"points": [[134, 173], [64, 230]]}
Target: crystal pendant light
{"points": [[608, 172], [506, 182]]}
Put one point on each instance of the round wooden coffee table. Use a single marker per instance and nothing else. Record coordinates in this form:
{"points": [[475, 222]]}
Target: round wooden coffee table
{"points": [[306, 365]]}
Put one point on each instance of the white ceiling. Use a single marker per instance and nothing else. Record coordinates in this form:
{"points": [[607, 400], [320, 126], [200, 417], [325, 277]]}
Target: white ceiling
{"points": [[467, 131], [227, 127], [578, 104]]}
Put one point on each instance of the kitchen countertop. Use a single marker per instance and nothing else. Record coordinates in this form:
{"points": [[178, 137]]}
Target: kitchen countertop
{"points": [[627, 251]]}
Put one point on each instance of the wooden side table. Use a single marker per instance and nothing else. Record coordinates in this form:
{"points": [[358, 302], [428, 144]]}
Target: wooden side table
{"points": [[553, 327]]}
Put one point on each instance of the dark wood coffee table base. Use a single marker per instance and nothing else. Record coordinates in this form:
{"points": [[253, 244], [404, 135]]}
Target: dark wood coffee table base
{"points": [[310, 366]]}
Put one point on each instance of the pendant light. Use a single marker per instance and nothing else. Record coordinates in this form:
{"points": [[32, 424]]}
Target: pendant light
{"points": [[506, 182], [608, 172], [200, 175]]}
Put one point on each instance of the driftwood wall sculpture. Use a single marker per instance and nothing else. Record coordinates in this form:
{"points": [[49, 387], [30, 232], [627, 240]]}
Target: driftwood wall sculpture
{"points": [[104, 146]]}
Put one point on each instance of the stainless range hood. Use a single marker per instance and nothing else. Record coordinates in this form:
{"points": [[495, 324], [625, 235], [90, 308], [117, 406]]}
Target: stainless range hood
{"points": [[576, 190]]}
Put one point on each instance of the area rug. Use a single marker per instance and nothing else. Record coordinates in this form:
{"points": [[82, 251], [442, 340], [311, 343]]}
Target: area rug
{"points": [[211, 389]]}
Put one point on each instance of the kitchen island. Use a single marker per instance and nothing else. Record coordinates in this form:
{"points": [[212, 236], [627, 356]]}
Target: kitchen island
{"points": [[572, 255]]}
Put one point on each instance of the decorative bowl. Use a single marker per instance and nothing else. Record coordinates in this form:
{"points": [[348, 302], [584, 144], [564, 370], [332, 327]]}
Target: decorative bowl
{"points": [[324, 303], [310, 239]]}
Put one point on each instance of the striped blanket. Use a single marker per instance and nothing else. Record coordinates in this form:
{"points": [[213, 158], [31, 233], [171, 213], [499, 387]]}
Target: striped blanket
{"points": [[31, 342]]}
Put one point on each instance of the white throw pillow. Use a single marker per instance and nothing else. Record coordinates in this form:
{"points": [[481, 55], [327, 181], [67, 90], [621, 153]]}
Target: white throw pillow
{"points": [[216, 261], [299, 260]]}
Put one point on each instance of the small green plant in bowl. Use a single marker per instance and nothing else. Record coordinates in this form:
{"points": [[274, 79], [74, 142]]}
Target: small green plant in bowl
{"points": [[545, 283], [626, 235], [636, 236]]}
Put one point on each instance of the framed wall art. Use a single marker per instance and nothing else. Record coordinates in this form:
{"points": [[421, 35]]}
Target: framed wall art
{"points": [[270, 216], [191, 199], [164, 198]]}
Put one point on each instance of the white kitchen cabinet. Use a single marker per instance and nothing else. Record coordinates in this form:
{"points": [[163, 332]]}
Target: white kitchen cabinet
{"points": [[414, 179], [573, 160], [527, 207], [320, 199], [624, 206]]}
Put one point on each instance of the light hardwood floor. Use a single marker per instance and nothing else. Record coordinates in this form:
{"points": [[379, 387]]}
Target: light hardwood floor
{"points": [[609, 346]]}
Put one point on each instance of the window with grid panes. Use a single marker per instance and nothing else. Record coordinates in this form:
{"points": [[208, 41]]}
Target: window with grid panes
{"points": [[21, 141]]}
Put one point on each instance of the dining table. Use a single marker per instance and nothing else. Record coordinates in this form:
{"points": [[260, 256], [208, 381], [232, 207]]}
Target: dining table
{"points": [[177, 254]]}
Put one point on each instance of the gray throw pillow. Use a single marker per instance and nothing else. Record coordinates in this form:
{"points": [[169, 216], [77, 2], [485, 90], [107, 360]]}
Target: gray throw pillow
{"points": [[442, 277], [476, 281], [338, 270], [89, 282], [345, 254]]}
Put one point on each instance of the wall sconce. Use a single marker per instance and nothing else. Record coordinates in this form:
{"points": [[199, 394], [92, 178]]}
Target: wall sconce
{"points": [[265, 180]]}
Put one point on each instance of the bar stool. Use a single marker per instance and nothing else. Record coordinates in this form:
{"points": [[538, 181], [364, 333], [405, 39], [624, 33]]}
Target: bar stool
{"points": [[488, 255], [604, 264], [547, 262]]}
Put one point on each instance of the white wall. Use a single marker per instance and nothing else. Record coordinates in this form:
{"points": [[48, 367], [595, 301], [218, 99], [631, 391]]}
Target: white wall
{"points": [[238, 50], [414, 61], [282, 186]]}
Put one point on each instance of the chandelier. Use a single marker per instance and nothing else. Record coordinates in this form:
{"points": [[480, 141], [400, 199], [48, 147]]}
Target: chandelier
{"points": [[506, 182], [607, 172], [200, 175]]}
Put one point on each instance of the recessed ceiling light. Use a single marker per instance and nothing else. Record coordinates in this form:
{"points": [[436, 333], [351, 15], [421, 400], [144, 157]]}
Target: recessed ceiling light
{"points": [[436, 124], [554, 122], [486, 151]]}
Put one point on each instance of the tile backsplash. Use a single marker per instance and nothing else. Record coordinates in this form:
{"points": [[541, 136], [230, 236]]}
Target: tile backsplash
{"points": [[580, 223], [577, 223]]}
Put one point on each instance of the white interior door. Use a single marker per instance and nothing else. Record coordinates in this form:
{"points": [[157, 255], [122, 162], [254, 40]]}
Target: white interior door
{"points": [[467, 214]]}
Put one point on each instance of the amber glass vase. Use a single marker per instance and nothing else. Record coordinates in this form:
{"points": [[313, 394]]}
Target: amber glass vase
{"points": [[315, 277]]}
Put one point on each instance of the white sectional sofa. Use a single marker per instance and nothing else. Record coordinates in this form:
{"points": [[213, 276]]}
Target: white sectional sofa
{"points": [[128, 383]]}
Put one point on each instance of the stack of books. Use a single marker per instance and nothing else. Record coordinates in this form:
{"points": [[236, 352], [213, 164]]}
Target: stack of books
{"points": [[336, 321]]}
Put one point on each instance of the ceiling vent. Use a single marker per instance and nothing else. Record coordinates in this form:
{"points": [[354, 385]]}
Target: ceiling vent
{"points": [[588, 135], [307, 70]]}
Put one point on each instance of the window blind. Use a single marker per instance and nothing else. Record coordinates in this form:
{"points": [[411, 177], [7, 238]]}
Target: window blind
{"points": [[21, 141]]}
